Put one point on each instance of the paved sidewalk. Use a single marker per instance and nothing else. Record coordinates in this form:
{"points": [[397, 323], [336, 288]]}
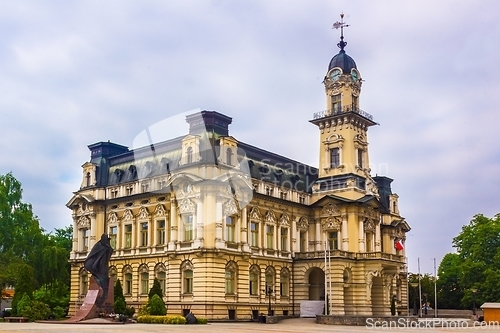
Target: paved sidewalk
{"points": [[302, 325]]}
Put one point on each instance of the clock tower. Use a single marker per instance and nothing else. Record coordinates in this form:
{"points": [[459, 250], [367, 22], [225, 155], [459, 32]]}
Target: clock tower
{"points": [[343, 158]]}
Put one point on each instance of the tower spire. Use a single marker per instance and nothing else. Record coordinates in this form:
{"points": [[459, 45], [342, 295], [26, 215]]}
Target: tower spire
{"points": [[341, 25]]}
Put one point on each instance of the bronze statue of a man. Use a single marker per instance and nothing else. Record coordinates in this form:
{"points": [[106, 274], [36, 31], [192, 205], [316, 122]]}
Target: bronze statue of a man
{"points": [[97, 263]]}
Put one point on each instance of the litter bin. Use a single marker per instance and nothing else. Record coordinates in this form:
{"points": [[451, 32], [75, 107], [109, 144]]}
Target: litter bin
{"points": [[262, 319]]}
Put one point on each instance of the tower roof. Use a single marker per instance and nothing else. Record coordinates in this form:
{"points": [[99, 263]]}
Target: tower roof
{"points": [[342, 60]]}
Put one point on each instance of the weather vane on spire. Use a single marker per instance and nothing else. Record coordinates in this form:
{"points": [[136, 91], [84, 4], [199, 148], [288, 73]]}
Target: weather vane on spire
{"points": [[341, 25]]}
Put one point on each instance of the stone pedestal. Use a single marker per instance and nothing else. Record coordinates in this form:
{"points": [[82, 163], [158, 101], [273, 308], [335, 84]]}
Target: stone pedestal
{"points": [[89, 309]]}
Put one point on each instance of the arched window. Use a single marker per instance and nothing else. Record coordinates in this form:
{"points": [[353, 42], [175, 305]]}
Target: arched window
{"points": [[284, 282], [113, 273], [231, 276], [187, 277], [229, 156], [254, 279], [189, 155], [87, 177]]}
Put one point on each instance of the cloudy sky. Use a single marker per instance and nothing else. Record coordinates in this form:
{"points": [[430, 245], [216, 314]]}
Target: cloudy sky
{"points": [[77, 72]]}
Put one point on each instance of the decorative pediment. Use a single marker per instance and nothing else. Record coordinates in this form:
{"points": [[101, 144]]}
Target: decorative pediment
{"points": [[369, 225], [112, 218], [230, 208], [160, 211], [284, 220], [331, 210], [128, 216], [143, 213], [255, 214], [186, 206], [83, 221], [303, 224], [331, 223], [270, 217]]}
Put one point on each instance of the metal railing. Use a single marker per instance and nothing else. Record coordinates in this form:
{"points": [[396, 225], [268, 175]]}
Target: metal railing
{"points": [[342, 110]]}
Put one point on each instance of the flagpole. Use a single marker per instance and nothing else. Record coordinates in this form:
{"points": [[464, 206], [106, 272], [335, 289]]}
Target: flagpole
{"points": [[407, 288], [419, 288], [435, 291]]}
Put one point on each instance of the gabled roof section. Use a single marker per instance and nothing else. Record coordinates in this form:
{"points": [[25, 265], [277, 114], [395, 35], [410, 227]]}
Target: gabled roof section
{"points": [[80, 197], [364, 199]]}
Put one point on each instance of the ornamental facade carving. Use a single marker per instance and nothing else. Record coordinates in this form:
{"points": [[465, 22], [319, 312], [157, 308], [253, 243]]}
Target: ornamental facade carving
{"points": [[112, 218], [186, 206], [255, 214], [160, 211], [330, 210], [128, 216], [284, 220], [270, 217], [83, 221], [230, 208], [331, 223], [143, 213], [303, 224]]}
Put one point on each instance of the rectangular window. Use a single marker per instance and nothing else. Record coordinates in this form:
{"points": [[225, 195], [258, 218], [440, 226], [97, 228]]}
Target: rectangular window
{"points": [[128, 236], [334, 157], [354, 102], [360, 158], [283, 195], [369, 242], [254, 234], [188, 227], [188, 282], [85, 239], [128, 283], [160, 231], [113, 231], [162, 278], [283, 285], [269, 191], [144, 283], [302, 200], [336, 104], [144, 234], [302, 240], [284, 239], [230, 281], [269, 236], [333, 240], [229, 229], [254, 283]]}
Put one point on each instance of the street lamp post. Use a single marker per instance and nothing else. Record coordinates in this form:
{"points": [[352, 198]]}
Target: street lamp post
{"points": [[474, 290], [414, 286], [269, 292]]}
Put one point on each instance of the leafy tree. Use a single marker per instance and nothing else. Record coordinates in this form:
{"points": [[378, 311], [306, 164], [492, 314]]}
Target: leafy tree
{"points": [[450, 292], [155, 289], [156, 307], [24, 285], [23, 304], [36, 311], [427, 290]]}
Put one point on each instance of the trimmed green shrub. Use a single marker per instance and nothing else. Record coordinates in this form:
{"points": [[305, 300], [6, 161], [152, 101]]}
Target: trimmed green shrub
{"points": [[120, 306], [156, 306], [36, 311], [201, 320], [180, 320], [148, 319]]}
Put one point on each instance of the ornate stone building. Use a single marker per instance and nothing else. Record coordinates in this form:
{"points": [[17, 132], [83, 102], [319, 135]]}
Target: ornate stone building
{"points": [[228, 228]]}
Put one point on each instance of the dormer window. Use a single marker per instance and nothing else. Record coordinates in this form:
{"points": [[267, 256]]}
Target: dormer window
{"points": [[87, 176], [189, 155], [229, 156]]}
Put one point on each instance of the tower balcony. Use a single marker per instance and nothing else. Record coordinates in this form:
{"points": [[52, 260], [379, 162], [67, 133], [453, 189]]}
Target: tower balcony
{"points": [[344, 111]]}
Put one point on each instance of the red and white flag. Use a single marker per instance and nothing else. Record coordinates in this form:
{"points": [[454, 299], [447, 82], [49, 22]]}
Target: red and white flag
{"points": [[399, 245]]}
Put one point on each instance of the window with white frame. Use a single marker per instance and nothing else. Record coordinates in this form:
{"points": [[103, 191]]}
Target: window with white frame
{"points": [[230, 225], [160, 232], [284, 239], [254, 234], [188, 221], [254, 280], [269, 236], [113, 232], [144, 233]]}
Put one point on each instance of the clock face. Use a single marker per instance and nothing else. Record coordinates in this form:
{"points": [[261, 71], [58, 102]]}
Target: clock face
{"points": [[335, 74], [354, 75]]}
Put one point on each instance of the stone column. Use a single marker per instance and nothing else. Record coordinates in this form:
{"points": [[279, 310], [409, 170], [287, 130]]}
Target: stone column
{"points": [[344, 234], [377, 238], [361, 236], [244, 231], [219, 240], [93, 230], [199, 225], [172, 234], [295, 237], [317, 236]]}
